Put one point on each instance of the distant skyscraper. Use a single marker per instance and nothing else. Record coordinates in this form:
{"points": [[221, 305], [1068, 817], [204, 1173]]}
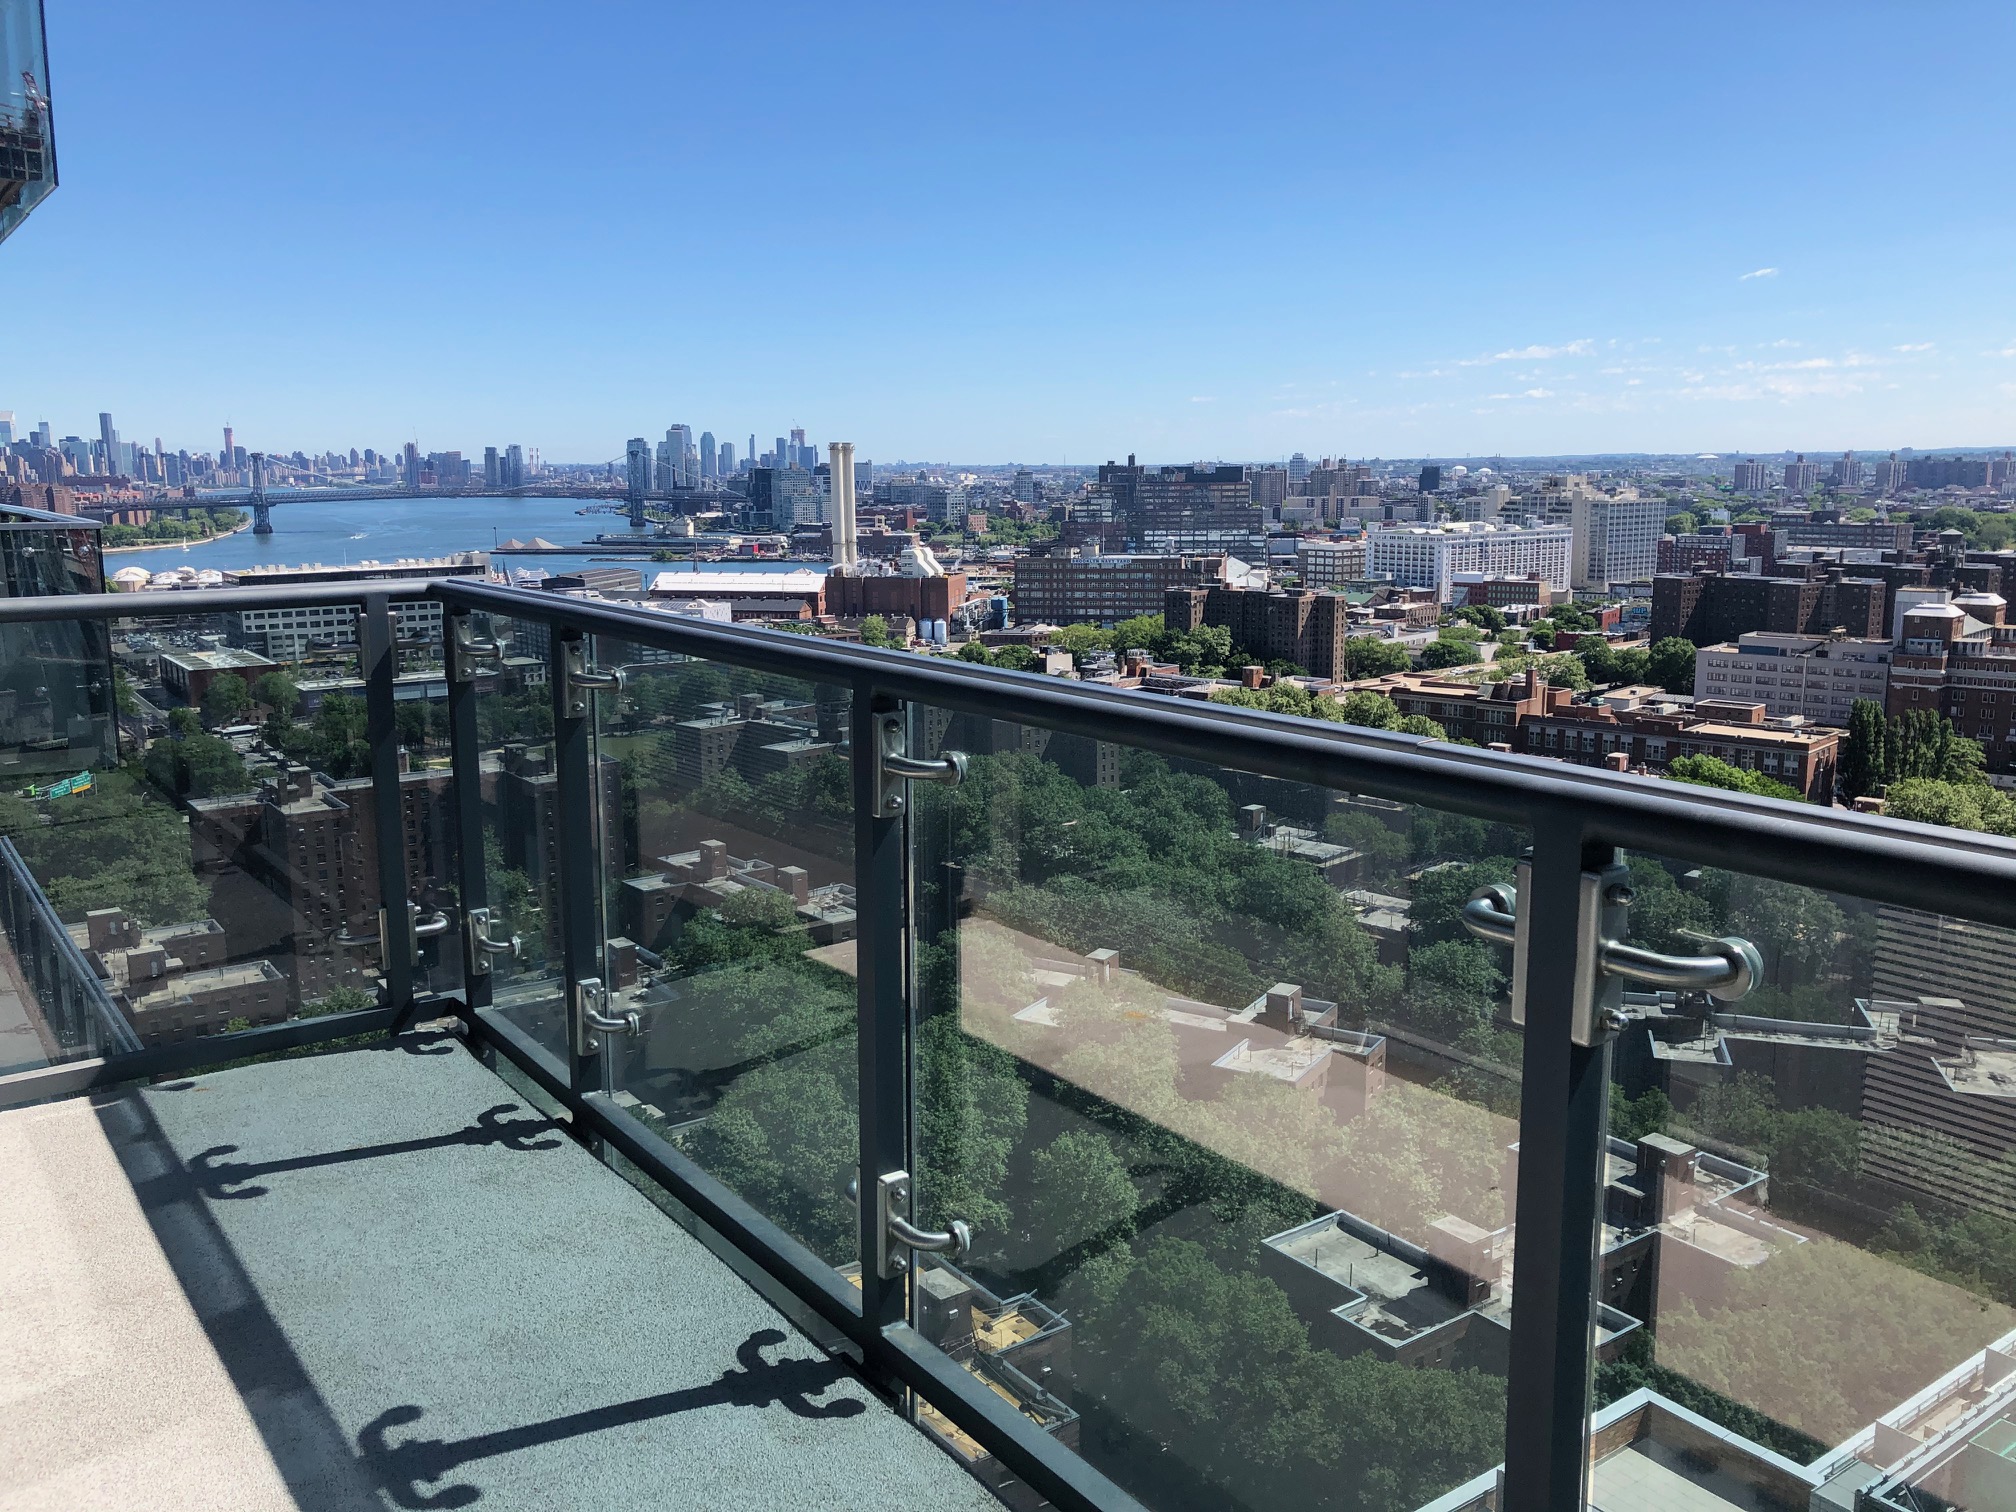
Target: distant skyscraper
{"points": [[412, 460], [679, 451], [109, 439], [1298, 472], [725, 459], [6, 427], [514, 467], [709, 461], [490, 472], [1847, 472], [1890, 476], [224, 458], [1753, 477], [750, 455], [637, 460], [1801, 477], [1431, 477]]}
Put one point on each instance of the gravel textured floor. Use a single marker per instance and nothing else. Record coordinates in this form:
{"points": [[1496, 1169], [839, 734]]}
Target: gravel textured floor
{"points": [[387, 1283]]}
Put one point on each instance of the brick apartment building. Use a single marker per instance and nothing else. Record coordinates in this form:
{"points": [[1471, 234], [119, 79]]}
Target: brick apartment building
{"points": [[1303, 627], [1710, 607], [1486, 713], [1628, 729], [1095, 588], [1643, 729], [1959, 659], [311, 845], [176, 982]]}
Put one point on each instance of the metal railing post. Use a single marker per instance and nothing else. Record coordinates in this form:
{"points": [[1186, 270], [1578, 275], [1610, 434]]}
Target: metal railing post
{"points": [[465, 759], [377, 649], [1563, 1112], [882, 1036], [577, 843]]}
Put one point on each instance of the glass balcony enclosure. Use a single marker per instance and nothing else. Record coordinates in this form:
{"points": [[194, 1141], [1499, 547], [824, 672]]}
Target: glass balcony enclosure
{"points": [[1167, 1106], [27, 132]]}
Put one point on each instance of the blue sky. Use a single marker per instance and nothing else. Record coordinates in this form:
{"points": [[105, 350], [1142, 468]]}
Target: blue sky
{"points": [[1033, 232]]}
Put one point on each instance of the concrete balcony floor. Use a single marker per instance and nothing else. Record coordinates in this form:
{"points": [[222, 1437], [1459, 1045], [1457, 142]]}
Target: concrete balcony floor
{"points": [[376, 1278]]}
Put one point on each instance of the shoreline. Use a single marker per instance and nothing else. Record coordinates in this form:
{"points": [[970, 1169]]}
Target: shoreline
{"points": [[222, 535]]}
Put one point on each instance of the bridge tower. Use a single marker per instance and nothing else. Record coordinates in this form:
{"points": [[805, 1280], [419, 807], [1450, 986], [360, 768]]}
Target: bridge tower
{"points": [[262, 512]]}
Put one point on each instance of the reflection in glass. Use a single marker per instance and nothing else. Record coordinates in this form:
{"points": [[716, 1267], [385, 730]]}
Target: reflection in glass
{"points": [[1230, 1100], [731, 928], [1811, 1210]]}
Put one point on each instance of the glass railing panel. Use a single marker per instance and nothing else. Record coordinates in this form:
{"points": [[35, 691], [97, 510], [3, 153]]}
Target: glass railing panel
{"points": [[429, 825], [726, 800], [521, 827], [207, 847], [1230, 1101], [27, 137], [1810, 1208]]}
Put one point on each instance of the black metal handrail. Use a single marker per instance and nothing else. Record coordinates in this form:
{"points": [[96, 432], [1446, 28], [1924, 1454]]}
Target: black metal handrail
{"points": [[1889, 860]]}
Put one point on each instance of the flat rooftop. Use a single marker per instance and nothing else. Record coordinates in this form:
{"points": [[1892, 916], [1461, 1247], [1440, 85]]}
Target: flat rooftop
{"points": [[215, 661], [363, 1279], [1986, 1068]]}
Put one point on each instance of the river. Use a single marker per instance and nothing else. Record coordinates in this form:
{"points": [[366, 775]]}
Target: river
{"points": [[386, 529]]}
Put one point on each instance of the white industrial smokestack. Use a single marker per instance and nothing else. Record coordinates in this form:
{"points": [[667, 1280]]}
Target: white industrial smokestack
{"points": [[840, 479]]}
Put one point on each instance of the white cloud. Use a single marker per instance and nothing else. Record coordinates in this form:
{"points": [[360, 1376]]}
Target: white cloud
{"points": [[1580, 348], [1758, 273], [1915, 346], [1203, 399], [1539, 393]]}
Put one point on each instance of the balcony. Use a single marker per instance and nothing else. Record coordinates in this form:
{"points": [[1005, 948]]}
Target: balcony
{"points": [[580, 1053]]}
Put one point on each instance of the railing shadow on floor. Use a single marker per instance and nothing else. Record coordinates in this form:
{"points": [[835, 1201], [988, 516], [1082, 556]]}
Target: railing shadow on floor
{"points": [[216, 1177], [400, 1469]]}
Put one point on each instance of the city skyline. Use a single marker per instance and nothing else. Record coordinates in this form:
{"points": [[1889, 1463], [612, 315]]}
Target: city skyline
{"points": [[1460, 268], [16, 426]]}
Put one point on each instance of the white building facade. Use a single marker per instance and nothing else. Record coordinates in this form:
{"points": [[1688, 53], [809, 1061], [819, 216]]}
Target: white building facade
{"points": [[1330, 564], [1422, 556], [1817, 676], [1616, 538]]}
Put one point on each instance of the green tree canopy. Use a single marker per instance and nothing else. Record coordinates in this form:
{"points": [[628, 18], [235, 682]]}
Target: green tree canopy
{"points": [[1014, 659], [1671, 665], [1959, 805], [278, 692], [1448, 651], [226, 698], [1374, 656], [1712, 771]]}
